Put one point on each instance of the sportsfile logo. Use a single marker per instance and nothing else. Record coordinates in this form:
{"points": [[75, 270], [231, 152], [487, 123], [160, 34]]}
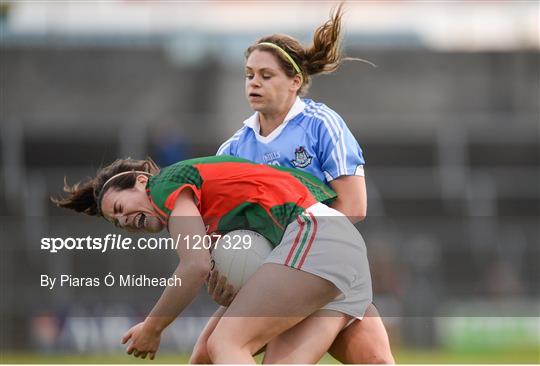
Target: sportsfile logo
{"points": [[117, 242]]}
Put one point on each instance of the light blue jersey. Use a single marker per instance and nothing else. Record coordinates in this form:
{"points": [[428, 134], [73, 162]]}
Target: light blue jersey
{"points": [[312, 138]]}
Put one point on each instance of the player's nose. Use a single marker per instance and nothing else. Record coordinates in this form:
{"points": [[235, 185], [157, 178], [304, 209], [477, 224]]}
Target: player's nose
{"points": [[123, 220], [255, 81]]}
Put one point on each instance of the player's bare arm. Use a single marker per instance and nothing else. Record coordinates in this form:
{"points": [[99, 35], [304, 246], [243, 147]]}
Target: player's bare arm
{"points": [[351, 197], [193, 270]]}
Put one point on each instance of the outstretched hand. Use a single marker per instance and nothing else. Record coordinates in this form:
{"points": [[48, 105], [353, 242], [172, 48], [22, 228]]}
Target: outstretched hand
{"points": [[144, 342]]}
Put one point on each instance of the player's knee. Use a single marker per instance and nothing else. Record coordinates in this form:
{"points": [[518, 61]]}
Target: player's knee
{"points": [[216, 346], [220, 344], [212, 347]]}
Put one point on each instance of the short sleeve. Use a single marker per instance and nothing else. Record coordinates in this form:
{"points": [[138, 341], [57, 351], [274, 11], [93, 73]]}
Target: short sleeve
{"points": [[229, 147], [339, 153], [224, 149], [165, 189]]}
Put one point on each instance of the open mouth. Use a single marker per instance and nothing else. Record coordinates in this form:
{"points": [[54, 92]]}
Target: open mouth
{"points": [[255, 95], [141, 221]]}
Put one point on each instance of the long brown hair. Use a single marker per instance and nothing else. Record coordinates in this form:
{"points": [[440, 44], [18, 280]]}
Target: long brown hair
{"points": [[323, 56], [86, 196]]}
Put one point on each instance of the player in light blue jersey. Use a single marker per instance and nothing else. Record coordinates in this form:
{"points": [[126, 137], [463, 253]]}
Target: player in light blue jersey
{"points": [[300, 133], [312, 138]]}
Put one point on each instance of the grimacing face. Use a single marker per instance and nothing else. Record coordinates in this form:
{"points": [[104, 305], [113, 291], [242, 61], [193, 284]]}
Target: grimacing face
{"points": [[131, 209], [268, 89]]}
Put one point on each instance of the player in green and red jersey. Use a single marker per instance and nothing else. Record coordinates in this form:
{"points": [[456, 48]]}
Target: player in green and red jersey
{"points": [[234, 193], [322, 261]]}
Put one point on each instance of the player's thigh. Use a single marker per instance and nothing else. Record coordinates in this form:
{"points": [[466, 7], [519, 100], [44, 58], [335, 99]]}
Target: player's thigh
{"points": [[200, 353], [307, 341], [364, 341], [275, 299]]}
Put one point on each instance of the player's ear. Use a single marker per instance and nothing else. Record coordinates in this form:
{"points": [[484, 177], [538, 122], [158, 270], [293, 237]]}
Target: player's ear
{"points": [[142, 179], [297, 83]]}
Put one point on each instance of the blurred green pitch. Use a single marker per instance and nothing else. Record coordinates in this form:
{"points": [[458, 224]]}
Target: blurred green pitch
{"points": [[530, 355]]}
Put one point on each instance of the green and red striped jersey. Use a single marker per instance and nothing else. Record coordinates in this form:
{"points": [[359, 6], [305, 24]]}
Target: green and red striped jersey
{"points": [[234, 193]]}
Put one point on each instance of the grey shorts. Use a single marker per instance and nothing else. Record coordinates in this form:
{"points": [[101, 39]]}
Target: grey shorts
{"points": [[323, 242]]}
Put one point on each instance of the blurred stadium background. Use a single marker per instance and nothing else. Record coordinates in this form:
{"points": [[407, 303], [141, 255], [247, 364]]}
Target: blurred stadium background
{"points": [[449, 124]]}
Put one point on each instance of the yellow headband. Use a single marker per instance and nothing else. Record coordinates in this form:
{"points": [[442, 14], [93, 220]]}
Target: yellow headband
{"points": [[287, 56]]}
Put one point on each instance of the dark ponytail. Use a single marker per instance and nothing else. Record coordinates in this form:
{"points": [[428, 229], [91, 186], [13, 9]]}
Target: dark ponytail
{"points": [[86, 196], [323, 56]]}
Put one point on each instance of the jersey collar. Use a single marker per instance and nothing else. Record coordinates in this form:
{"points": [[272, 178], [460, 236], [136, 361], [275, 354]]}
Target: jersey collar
{"points": [[253, 121]]}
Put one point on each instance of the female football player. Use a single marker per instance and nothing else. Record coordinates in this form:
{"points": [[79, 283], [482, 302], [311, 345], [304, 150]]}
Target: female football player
{"points": [[300, 133], [318, 253]]}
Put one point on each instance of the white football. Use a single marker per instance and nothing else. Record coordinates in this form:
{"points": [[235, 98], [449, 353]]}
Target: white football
{"points": [[238, 254]]}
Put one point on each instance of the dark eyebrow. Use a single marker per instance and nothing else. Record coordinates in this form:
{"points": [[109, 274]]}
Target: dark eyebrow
{"points": [[263, 69]]}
